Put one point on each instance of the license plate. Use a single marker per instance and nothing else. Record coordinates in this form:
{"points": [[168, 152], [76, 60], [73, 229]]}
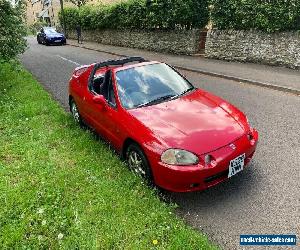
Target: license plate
{"points": [[236, 165], [57, 41]]}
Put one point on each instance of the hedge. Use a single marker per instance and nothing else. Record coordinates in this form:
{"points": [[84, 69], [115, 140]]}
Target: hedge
{"points": [[12, 30], [136, 14], [265, 15]]}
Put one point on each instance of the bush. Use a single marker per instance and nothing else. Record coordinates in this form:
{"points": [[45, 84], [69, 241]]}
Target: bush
{"points": [[12, 30], [35, 27], [71, 17], [135, 14], [265, 15]]}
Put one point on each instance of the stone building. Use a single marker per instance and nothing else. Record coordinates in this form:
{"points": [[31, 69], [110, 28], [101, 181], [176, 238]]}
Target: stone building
{"points": [[47, 10], [43, 10]]}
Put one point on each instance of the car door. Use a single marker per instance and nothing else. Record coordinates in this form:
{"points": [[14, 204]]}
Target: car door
{"points": [[86, 103], [104, 118], [112, 118]]}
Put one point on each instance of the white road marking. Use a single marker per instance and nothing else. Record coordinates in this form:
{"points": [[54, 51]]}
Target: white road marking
{"points": [[68, 60]]}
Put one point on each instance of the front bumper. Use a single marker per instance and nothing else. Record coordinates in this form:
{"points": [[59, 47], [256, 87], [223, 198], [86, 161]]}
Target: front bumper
{"points": [[56, 40], [202, 176]]}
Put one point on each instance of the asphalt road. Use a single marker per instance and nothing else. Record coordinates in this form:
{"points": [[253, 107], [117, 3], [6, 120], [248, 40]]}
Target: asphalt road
{"points": [[263, 199]]}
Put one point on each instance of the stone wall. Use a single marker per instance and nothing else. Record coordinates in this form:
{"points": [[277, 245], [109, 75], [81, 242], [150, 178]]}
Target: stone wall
{"points": [[177, 42], [254, 46]]}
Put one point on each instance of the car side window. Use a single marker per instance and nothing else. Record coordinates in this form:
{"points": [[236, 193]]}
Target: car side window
{"points": [[97, 83], [102, 85], [111, 95]]}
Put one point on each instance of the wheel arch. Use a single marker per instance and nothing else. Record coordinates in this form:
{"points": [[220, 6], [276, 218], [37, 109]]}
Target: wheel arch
{"points": [[129, 141], [70, 99], [126, 144]]}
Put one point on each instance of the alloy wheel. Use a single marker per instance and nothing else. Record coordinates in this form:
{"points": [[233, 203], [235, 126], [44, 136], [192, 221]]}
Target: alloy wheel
{"points": [[135, 162], [75, 112]]}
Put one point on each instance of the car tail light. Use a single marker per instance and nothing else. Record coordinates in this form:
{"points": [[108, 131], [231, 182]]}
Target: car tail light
{"points": [[80, 70]]}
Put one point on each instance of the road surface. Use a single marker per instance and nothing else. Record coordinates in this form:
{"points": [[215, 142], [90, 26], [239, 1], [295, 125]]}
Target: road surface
{"points": [[263, 199]]}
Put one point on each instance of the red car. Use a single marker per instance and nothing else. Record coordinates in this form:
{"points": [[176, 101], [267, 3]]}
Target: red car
{"points": [[177, 136]]}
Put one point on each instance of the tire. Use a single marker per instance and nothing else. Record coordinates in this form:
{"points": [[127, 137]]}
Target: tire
{"points": [[38, 40], [138, 163], [75, 113]]}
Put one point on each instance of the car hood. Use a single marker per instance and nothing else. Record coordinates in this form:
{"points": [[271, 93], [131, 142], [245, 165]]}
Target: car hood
{"points": [[195, 122]]}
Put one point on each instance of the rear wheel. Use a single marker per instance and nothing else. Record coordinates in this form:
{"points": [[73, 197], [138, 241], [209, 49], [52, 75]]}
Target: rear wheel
{"points": [[138, 162], [75, 113]]}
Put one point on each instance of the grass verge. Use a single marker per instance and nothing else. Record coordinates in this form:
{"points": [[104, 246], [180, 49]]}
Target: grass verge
{"points": [[61, 188]]}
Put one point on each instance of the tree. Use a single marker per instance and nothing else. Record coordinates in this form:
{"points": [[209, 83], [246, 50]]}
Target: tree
{"points": [[12, 30]]}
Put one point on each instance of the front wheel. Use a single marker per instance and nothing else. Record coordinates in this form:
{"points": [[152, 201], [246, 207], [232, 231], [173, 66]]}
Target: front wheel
{"points": [[138, 162]]}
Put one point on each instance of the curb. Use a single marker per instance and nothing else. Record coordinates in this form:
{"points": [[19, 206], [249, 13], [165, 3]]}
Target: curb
{"points": [[244, 80], [227, 77]]}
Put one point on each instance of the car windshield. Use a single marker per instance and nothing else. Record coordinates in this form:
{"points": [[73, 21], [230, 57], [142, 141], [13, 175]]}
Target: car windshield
{"points": [[50, 31], [150, 84]]}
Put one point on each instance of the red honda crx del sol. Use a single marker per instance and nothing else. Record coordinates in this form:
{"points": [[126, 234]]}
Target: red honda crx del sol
{"points": [[174, 135]]}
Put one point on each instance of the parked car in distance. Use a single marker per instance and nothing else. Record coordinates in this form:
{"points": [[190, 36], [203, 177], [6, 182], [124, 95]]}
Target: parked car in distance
{"points": [[174, 135], [48, 35]]}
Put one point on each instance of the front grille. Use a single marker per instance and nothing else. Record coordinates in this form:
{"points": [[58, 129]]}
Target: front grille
{"points": [[217, 176]]}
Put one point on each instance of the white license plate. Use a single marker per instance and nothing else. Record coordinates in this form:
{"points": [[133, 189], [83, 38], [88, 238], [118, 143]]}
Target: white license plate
{"points": [[57, 41], [236, 165]]}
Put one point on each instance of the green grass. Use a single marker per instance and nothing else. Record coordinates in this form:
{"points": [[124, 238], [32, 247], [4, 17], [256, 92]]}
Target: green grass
{"points": [[62, 188]]}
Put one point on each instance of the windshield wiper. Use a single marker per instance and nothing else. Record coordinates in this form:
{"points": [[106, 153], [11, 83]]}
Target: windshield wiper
{"points": [[184, 92], [187, 90], [157, 100]]}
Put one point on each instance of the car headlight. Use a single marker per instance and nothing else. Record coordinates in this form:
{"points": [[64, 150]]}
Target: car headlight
{"points": [[179, 157]]}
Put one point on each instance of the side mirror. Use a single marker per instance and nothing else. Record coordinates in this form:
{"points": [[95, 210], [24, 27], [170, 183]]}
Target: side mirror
{"points": [[100, 100]]}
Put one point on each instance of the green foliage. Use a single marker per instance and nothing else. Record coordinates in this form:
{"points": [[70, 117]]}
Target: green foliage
{"points": [[265, 15], [71, 17], [134, 14], [61, 188], [35, 27], [12, 30]]}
